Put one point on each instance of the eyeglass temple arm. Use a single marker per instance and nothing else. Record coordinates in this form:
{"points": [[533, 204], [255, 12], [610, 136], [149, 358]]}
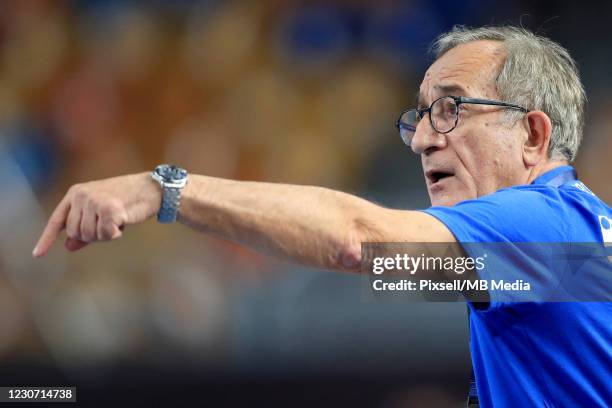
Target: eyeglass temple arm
{"points": [[478, 101]]}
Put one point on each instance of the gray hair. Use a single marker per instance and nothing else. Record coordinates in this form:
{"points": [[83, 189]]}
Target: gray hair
{"points": [[538, 74]]}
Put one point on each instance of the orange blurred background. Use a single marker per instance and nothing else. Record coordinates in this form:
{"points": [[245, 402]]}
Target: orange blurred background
{"points": [[283, 91]]}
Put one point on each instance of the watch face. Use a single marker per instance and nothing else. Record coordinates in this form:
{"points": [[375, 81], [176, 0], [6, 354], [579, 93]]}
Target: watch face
{"points": [[171, 172]]}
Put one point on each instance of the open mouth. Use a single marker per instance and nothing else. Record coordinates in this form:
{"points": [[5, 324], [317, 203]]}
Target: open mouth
{"points": [[436, 176]]}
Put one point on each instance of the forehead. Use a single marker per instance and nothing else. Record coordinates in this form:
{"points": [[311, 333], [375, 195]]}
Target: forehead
{"points": [[470, 68]]}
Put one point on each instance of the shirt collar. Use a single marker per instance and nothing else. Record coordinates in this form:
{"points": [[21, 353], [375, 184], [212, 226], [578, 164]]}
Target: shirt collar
{"points": [[563, 172]]}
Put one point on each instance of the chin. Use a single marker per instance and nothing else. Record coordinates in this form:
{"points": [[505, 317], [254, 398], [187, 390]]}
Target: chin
{"points": [[448, 198], [449, 191], [445, 201]]}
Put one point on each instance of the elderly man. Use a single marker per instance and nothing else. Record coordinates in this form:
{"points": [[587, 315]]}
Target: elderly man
{"points": [[498, 120]]}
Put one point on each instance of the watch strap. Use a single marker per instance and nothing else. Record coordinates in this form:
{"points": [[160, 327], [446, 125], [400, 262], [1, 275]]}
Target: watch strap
{"points": [[168, 211]]}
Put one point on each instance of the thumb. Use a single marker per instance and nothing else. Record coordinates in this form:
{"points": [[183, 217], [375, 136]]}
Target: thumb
{"points": [[74, 244]]}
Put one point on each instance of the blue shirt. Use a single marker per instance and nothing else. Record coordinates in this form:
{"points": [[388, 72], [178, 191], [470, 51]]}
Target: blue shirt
{"points": [[538, 354]]}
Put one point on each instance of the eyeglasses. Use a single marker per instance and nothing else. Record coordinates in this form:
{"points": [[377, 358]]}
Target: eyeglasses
{"points": [[443, 115]]}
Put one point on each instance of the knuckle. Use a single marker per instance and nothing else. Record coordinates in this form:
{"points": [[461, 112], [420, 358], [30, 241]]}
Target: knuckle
{"points": [[87, 235], [95, 204], [72, 234], [105, 210], [73, 231], [110, 207], [75, 188], [80, 194]]}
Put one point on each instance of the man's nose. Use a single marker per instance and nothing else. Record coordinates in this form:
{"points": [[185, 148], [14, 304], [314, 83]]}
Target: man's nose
{"points": [[426, 139]]}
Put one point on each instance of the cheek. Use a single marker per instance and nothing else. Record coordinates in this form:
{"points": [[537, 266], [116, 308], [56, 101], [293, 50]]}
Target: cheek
{"points": [[473, 153], [508, 155], [488, 158]]}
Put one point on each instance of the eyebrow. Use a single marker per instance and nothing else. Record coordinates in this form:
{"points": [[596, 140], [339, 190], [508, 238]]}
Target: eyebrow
{"points": [[445, 90]]}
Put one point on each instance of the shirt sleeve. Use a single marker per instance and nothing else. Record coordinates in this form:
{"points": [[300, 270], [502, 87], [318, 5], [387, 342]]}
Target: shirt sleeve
{"points": [[511, 227]]}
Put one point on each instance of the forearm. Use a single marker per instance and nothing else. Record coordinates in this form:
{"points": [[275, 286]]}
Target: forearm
{"points": [[311, 225]]}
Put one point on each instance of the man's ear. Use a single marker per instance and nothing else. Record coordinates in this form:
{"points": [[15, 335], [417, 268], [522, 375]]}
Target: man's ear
{"points": [[539, 130]]}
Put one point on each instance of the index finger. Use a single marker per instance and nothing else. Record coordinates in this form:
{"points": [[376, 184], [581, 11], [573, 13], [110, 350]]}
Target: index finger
{"points": [[57, 222]]}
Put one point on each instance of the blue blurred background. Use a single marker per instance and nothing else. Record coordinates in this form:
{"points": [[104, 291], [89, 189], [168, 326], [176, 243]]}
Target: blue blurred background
{"points": [[285, 91]]}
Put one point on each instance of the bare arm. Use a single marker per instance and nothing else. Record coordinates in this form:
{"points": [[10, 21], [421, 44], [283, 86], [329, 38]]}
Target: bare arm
{"points": [[311, 225]]}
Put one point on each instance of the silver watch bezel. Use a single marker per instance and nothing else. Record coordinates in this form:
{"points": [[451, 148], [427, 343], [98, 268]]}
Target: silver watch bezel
{"points": [[168, 183]]}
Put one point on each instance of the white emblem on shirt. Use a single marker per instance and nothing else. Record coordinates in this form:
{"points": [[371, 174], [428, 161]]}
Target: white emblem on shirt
{"points": [[605, 223]]}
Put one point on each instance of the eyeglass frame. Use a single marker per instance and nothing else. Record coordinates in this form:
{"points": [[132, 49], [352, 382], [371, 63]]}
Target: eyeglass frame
{"points": [[458, 101]]}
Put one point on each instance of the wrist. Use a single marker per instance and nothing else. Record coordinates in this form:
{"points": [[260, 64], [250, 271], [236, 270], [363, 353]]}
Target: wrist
{"points": [[150, 193], [188, 198], [171, 179]]}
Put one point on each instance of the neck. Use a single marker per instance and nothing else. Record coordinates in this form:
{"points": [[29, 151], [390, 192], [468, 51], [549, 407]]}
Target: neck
{"points": [[538, 170]]}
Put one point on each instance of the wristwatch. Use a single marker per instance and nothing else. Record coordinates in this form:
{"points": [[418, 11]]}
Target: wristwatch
{"points": [[172, 179]]}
